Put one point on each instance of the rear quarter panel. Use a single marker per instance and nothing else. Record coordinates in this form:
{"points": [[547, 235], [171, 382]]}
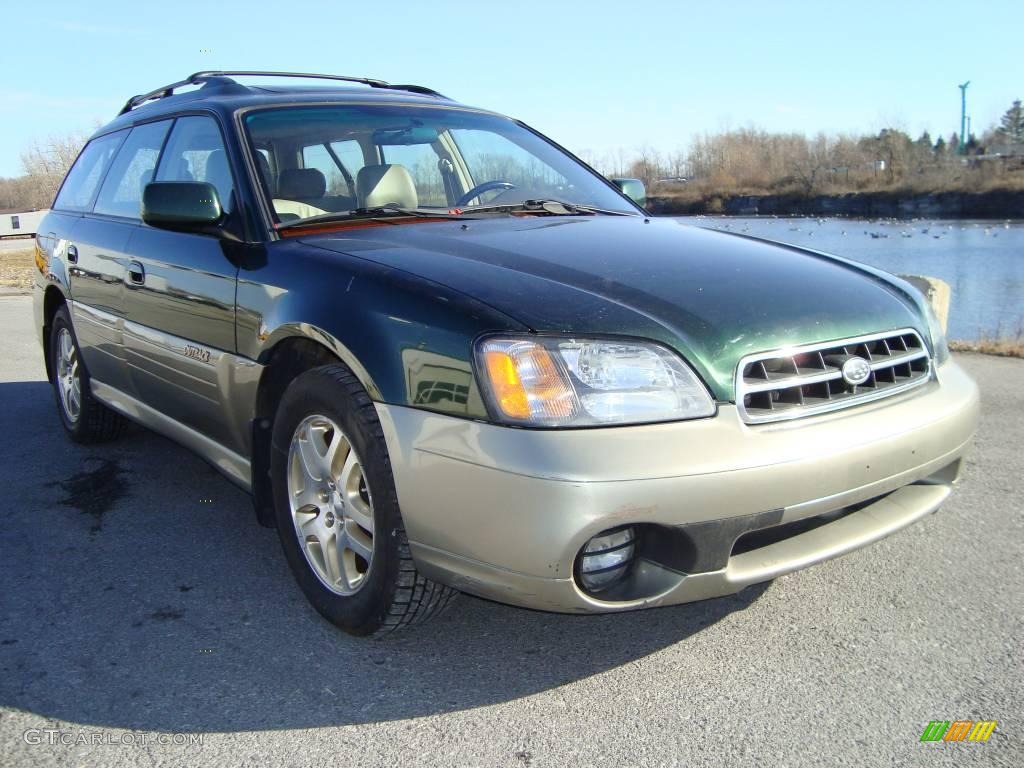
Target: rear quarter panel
{"points": [[51, 270]]}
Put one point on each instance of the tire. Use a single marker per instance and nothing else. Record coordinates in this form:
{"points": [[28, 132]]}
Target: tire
{"points": [[85, 419], [337, 511]]}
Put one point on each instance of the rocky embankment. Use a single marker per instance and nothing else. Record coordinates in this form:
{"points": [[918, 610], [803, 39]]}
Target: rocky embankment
{"points": [[941, 205]]}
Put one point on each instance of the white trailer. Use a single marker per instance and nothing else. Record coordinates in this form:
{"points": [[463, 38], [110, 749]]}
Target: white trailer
{"points": [[15, 223]]}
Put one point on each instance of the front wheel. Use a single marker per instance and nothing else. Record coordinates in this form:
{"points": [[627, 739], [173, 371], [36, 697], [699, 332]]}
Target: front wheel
{"points": [[337, 510]]}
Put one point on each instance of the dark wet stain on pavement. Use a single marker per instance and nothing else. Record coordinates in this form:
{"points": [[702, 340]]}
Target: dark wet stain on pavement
{"points": [[166, 614], [95, 490]]}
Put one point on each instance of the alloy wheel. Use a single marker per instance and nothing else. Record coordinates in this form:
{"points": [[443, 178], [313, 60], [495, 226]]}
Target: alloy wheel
{"points": [[331, 506], [69, 382]]}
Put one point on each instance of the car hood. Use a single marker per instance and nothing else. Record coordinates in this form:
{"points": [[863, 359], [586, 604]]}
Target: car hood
{"points": [[713, 297]]}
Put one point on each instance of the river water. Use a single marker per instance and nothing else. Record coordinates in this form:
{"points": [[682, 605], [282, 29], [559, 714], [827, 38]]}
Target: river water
{"points": [[983, 261]]}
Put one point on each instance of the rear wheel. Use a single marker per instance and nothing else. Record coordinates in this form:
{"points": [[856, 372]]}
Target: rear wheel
{"points": [[85, 419], [337, 511]]}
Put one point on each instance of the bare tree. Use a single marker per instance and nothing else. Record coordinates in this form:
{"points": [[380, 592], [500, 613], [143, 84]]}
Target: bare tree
{"points": [[45, 164], [647, 166], [810, 162]]}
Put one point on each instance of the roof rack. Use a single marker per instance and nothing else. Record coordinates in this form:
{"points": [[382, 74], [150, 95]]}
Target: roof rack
{"points": [[202, 77]]}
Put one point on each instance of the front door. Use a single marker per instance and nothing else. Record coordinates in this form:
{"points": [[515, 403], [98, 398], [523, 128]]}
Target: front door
{"points": [[180, 298]]}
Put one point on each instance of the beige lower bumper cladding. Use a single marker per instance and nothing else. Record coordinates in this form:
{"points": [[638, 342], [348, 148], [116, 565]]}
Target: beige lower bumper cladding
{"points": [[719, 504]]}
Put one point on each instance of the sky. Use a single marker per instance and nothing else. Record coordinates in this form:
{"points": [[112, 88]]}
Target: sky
{"points": [[595, 76]]}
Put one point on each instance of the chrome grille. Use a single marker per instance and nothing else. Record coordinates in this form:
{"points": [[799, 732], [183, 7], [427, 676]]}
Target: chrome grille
{"points": [[807, 380]]}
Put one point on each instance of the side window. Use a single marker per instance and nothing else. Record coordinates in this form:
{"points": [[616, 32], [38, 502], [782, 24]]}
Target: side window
{"points": [[195, 152], [15, 222], [317, 156], [350, 154], [491, 157], [82, 181], [421, 161], [132, 170]]}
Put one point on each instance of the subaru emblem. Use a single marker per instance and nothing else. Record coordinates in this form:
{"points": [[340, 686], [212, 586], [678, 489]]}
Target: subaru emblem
{"points": [[856, 371]]}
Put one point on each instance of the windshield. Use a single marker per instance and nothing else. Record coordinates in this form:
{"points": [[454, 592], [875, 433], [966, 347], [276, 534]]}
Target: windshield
{"points": [[317, 160]]}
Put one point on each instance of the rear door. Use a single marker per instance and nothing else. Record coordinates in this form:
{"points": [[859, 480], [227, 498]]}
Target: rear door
{"points": [[180, 296], [93, 256], [102, 238]]}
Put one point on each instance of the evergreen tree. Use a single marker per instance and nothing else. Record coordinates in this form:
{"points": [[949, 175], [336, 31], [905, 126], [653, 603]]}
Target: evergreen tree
{"points": [[940, 146], [1011, 127]]}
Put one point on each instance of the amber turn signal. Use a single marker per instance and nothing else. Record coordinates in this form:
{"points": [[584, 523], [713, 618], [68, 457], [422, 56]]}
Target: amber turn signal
{"points": [[508, 387], [526, 382]]}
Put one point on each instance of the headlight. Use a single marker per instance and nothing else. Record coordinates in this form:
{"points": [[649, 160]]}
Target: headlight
{"points": [[560, 382]]}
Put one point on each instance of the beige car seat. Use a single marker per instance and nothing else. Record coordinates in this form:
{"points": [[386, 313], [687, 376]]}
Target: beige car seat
{"points": [[381, 185]]}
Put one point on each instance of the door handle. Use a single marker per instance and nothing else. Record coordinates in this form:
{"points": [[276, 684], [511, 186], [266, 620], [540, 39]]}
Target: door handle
{"points": [[136, 273], [72, 254]]}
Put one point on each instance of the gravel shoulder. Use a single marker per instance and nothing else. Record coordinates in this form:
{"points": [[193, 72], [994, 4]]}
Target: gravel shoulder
{"points": [[16, 265], [139, 598]]}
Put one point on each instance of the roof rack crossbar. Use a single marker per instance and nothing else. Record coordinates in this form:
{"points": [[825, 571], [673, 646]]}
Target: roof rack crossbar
{"points": [[199, 77]]}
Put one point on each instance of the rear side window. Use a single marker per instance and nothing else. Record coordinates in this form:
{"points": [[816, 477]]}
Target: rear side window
{"points": [[195, 152], [132, 170], [340, 181], [82, 181], [317, 156], [350, 154]]}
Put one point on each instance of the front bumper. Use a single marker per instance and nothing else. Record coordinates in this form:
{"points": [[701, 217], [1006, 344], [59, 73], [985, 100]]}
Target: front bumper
{"points": [[502, 512]]}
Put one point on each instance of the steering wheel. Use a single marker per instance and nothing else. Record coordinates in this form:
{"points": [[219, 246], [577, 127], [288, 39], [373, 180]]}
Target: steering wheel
{"points": [[479, 189]]}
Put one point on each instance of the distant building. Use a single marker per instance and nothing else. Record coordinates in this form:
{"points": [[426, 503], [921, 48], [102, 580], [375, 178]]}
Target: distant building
{"points": [[1005, 150], [1010, 156], [17, 222]]}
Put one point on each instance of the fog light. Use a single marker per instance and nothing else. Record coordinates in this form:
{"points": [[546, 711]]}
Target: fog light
{"points": [[605, 559]]}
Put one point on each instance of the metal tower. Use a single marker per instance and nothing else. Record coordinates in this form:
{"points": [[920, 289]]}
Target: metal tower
{"points": [[962, 149]]}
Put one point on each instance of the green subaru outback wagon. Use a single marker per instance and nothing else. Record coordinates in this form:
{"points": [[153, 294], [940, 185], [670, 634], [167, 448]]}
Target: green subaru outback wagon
{"points": [[444, 355]]}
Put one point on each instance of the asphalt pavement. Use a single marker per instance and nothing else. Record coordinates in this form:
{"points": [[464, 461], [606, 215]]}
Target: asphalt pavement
{"points": [[139, 599]]}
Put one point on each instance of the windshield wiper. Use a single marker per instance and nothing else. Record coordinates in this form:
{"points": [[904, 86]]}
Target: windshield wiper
{"points": [[552, 207], [549, 207], [358, 214]]}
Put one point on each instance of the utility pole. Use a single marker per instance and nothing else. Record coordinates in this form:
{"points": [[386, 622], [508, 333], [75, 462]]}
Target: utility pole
{"points": [[962, 149]]}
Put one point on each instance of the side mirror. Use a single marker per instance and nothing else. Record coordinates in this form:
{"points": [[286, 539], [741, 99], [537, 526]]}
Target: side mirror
{"points": [[633, 189], [191, 206]]}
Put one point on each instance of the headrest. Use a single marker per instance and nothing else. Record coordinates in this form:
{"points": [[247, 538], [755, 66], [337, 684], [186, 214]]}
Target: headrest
{"points": [[266, 174], [297, 183], [218, 173], [380, 185], [182, 171]]}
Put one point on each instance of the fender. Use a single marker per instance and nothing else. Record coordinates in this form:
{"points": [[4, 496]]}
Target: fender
{"points": [[324, 338], [407, 340]]}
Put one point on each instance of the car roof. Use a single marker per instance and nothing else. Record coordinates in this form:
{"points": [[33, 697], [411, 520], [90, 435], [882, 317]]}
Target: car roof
{"points": [[222, 94]]}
